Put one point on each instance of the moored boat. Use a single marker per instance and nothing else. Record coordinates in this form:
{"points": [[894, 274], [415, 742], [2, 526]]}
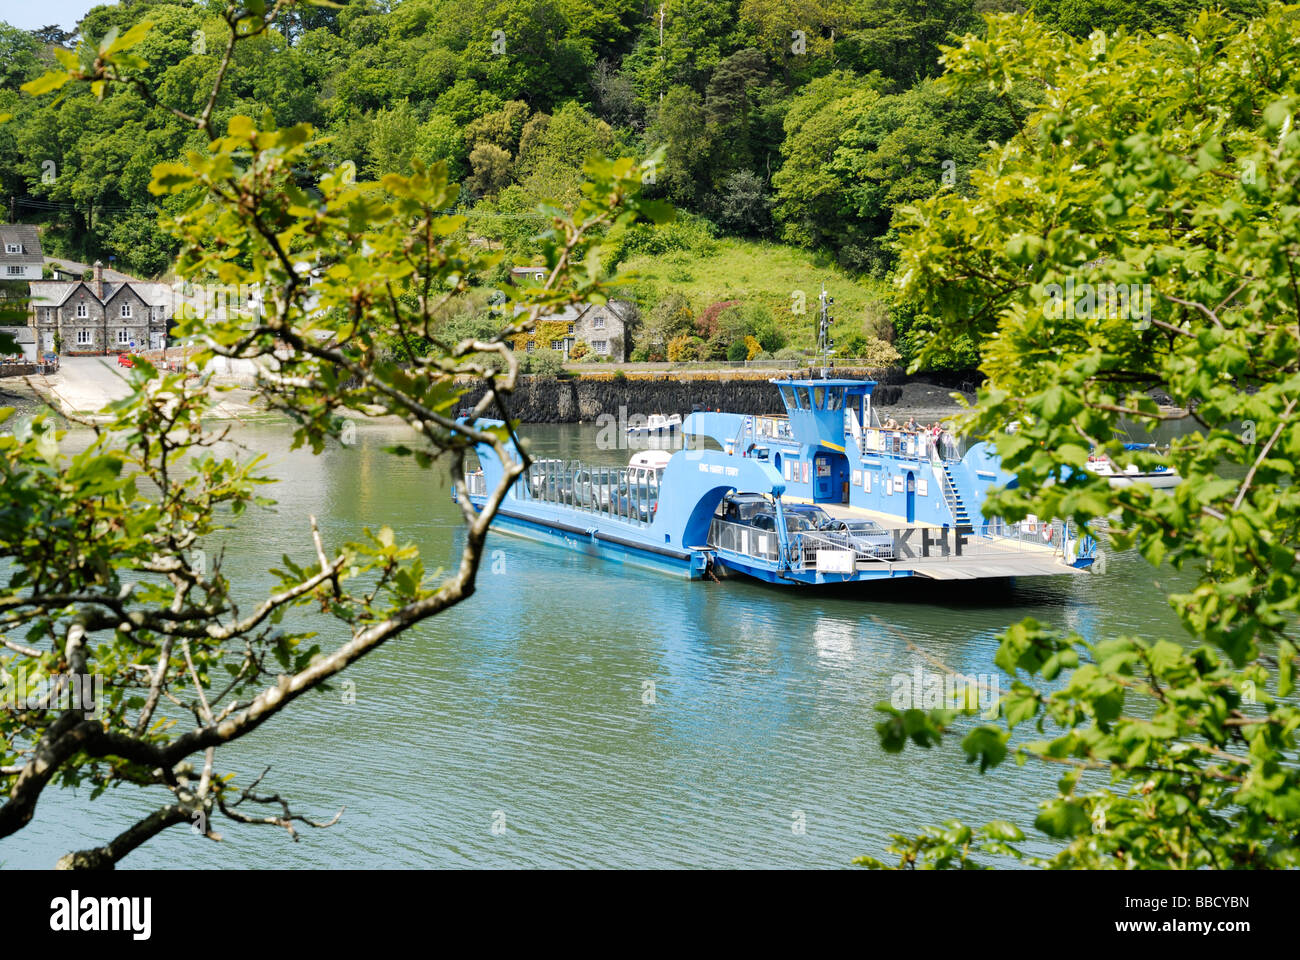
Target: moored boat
{"points": [[1160, 477], [656, 423]]}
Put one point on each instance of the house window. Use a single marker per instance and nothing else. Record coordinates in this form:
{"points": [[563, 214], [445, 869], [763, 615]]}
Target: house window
{"points": [[570, 328], [600, 346], [126, 311], [532, 345], [557, 344], [123, 336], [14, 271], [13, 248], [598, 323], [82, 311], [83, 337]]}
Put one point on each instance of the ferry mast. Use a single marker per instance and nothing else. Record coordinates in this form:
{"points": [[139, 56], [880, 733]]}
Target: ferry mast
{"points": [[825, 345]]}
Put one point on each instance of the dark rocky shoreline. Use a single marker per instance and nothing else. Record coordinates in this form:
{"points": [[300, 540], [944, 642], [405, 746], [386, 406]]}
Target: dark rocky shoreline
{"points": [[584, 399]]}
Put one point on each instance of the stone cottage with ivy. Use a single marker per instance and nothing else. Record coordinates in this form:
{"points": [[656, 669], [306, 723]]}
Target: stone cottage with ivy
{"points": [[600, 327], [96, 317]]}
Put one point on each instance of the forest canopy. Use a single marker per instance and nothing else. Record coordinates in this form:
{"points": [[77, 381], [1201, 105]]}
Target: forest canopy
{"points": [[808, 123]]}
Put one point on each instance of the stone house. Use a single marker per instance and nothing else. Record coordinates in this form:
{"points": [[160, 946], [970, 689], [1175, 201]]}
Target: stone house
{"points": [[20, 252], [600, 326], [98, 317]]}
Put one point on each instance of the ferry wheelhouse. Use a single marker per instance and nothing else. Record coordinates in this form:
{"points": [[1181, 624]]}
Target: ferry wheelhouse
{"points": [[829, 496]]}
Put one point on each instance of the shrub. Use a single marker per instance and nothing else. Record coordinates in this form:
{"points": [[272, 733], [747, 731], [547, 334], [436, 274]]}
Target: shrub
{"points": [[706, 325], [752, 348], [715, 349], [684, 232], [686, 347], [579, 350], [790, 353], [738, 351], [543, 363], [878, 353], [669, 318]]}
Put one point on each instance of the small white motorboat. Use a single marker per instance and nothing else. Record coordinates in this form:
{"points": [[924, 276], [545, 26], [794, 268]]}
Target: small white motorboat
{"points": [[1161, 478], [657, 423]]}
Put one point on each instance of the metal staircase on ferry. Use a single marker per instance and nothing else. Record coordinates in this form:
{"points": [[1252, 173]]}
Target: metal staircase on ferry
{"points": [[956, 506]]}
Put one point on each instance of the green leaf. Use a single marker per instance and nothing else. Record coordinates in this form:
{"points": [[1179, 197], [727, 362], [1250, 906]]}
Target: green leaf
{"points": [[51, 80], [1062, 819], [987, 744]]}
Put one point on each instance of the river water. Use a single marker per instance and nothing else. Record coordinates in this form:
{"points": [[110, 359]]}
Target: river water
{"points": [[576, 713]]}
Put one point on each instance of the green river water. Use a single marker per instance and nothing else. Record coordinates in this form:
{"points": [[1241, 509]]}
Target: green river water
{"points": [[514, 731]]}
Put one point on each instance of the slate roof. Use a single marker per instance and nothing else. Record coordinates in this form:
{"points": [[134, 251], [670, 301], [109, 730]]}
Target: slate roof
{"points": [[25, 235], [55, 293], [51, 293]]}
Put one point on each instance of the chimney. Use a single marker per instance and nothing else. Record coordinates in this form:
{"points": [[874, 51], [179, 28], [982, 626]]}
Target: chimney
{"points": [[99, 279]]}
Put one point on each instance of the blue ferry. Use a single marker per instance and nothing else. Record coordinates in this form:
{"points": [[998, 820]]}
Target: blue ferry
{"points": [[823, 494]]}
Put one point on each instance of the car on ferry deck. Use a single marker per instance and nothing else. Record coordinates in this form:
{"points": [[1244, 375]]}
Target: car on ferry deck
{"points": [[794, 522], [741, 507], [819, 517], [862, 535]]}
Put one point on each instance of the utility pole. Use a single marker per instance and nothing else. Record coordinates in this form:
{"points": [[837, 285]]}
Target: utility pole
{"points": [[661, 42], [825, 345]]}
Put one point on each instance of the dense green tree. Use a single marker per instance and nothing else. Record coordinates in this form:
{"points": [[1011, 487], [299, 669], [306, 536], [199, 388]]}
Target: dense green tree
{"points": [[393, 140], [490, 169], [810, 188], [695, 38], [900, 39], [19, 56], [440, 139], [797, 35], [1082, 17], [536, 57], [680, 126], [1168, 168], [743, 204], [501, 128], [106, 543], [554, 151]]}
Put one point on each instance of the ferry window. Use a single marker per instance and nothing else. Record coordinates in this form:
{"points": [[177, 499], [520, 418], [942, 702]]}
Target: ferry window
{"points": [[819, 398], [787, 394], [802, 394], [833, 398]]}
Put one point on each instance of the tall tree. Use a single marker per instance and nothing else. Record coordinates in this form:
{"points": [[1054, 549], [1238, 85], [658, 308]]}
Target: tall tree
{"points": [[104, 544], [1138, 234]]}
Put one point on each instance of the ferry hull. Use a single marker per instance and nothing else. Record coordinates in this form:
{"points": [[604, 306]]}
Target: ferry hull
{"points": [[601, 547], [1158, 481], [806, 578]]}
